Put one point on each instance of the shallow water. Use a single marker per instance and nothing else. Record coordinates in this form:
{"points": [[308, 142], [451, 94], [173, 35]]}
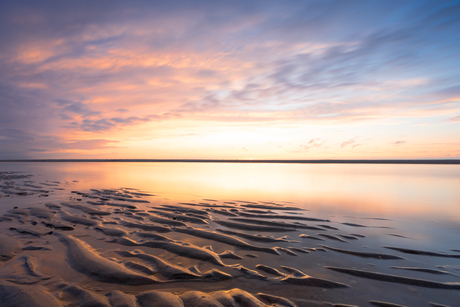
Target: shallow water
{"points": [[421, 190], [415, 207]]}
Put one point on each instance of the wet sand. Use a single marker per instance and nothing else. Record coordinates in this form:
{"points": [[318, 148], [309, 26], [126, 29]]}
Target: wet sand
{"points": [[120, 247]]}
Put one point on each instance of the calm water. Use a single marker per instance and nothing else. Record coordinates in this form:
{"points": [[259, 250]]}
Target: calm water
{"points": [[403, 206], [423, 199]]}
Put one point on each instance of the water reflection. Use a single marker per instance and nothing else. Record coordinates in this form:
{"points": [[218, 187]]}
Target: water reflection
{"points": [[341, 189], [363, 209]]}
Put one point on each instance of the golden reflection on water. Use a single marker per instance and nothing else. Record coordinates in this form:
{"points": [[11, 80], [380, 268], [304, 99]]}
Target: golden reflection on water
{"points": [[328, 189]]}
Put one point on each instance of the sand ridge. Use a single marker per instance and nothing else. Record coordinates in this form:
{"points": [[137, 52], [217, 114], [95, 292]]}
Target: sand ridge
{"points": [[118, 247]]}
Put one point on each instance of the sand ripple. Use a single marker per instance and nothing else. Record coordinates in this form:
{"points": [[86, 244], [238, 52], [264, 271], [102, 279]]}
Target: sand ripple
{"points": [[85, 260], [12, 295], [102, 250]]}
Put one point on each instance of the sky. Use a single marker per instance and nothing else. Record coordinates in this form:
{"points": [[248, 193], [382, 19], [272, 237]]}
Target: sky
{"points": [[229, 79]]}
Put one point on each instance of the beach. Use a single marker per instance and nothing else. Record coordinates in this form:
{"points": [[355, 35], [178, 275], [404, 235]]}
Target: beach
{"points": [[67, 242], [229, 153]]}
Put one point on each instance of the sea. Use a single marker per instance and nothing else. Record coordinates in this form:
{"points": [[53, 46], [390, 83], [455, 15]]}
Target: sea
{"points": [[423, 199], [357, 214]]}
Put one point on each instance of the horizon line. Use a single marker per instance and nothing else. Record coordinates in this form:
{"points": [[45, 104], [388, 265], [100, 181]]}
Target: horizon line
{"points": [[293, 161]]}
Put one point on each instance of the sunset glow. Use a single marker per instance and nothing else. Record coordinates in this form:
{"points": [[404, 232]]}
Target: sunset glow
{"points": [[229, 80]]}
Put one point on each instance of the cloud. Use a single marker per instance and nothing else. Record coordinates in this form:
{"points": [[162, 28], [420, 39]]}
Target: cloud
{"points": [[207, 103], [105, 124], [97, 125], [68, 67], [400, 142], [14, 143], [455, 118], [79, 108], [89, 144], [316, 142], [349, 142], [21, 144]]}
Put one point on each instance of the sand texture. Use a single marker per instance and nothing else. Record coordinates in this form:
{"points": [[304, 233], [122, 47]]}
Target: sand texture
{"points": [[61, 246]]}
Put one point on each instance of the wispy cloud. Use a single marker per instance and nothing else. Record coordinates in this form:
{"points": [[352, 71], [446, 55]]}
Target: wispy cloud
{"points": [[316, 142], [349, 142], [100, 124], [87, 144], [21, 144], [82, 70]]}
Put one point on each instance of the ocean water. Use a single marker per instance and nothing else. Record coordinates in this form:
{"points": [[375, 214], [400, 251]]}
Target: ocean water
{"points": [[423, 199], [363, 208]]}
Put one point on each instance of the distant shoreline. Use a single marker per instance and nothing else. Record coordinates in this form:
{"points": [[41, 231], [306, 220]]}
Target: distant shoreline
{"points": [[322, 161]]}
